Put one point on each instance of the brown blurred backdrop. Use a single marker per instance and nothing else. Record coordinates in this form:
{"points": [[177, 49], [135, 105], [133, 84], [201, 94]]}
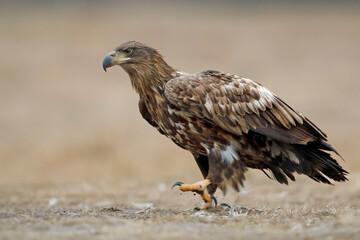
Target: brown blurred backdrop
{"points": [[63, 119]]}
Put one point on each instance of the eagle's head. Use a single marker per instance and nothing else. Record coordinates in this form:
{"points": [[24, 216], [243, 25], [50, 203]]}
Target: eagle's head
{"points": [[131, 55]]}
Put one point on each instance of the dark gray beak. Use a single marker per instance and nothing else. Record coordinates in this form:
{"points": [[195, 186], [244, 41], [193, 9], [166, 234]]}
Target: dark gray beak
{"points": [[107, 62]]}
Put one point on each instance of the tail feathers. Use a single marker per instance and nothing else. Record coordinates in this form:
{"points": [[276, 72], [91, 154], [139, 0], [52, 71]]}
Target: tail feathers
{"points": [[324, 163], [310, 160], [326, 146]]}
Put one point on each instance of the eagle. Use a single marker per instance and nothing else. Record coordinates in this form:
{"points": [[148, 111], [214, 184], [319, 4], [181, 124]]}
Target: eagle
{"points": [[229, 123]]}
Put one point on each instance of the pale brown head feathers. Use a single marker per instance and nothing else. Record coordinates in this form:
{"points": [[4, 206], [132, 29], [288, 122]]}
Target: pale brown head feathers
{"points": [[145, 66]]}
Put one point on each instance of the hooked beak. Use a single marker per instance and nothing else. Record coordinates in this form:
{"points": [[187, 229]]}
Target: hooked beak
{"points": [[109, 60], [113, 58]]}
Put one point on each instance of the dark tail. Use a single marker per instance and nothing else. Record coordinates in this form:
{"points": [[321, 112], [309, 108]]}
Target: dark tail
{"points": [[310, 160]]}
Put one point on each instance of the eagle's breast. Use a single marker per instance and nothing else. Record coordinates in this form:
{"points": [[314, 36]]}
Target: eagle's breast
{"points": [[179, 126]]}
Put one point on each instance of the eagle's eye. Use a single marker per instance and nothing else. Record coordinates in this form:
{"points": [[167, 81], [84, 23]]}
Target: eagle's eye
{"points": [[128, 51]]}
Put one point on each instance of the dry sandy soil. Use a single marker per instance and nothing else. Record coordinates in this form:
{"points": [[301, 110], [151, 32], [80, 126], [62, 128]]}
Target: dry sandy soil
{"points": [[78, 162]]}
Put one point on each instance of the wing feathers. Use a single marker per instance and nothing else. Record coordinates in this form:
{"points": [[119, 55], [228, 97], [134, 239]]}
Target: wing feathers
{"points": [[238, 104]]}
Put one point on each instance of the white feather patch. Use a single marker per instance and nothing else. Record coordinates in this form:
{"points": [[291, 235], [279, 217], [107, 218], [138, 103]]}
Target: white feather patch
{"points": [[265, 93], [154, 89], [275, 149], [192, 127], [208, 104], [205, 147], [170, 110], [292, 156], [229, 154]]}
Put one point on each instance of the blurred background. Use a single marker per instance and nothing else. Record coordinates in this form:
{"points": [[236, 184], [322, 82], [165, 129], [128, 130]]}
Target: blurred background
{"points": [[63, 119]]}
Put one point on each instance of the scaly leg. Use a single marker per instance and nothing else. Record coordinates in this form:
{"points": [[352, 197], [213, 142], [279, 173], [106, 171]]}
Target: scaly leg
{"points": [[199, 188]]}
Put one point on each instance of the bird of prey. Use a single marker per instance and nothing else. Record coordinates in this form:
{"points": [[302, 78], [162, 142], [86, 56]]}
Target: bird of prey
{"points": [[228, 122]]}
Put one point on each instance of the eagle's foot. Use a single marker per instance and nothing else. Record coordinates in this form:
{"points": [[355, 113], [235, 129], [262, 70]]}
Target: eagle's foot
{"points": [[198, 188], [208, 200]]}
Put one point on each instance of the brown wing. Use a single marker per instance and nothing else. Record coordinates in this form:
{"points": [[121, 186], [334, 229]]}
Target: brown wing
{"points": [[146, 115], [238, 105]]}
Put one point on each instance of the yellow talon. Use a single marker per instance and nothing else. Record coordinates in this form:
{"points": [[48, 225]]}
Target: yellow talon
{"points": [[199, 188]]}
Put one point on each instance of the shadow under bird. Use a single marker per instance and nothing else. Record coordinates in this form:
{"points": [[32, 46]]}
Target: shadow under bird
{"points": [[229, 123]]}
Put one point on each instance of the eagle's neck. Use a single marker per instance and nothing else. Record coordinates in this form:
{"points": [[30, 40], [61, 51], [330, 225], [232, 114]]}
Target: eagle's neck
{"points": [[149, 79]]}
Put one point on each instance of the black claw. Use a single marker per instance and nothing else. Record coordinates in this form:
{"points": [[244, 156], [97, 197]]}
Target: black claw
{"points": [[214, 198], [225, 205], [196, 209], [177, 184]]}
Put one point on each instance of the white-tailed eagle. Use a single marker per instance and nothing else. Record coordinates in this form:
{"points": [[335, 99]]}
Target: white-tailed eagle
{"points": [[228, 122]]}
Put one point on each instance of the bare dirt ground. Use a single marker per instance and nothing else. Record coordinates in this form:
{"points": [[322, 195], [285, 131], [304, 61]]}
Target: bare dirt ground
{"points": [[78, 162], [152, 211]]}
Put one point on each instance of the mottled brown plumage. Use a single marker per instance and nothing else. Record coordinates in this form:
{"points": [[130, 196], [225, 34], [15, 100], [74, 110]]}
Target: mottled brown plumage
{"points": [[229, 123]]}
